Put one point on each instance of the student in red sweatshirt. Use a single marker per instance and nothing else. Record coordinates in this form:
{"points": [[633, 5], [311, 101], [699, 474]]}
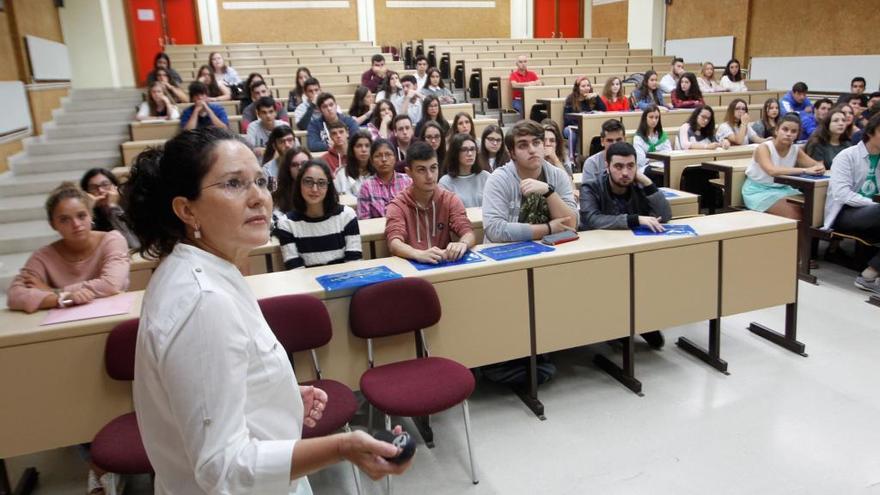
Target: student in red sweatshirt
{"points": [[420, 220]]}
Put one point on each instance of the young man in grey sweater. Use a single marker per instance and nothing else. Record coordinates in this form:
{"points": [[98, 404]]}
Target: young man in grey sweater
{"points": [[527, 180], [623, 198]]}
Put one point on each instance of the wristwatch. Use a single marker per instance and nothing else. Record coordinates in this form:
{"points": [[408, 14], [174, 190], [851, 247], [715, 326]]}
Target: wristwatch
{"points": [[61, 298], [550, 190]]}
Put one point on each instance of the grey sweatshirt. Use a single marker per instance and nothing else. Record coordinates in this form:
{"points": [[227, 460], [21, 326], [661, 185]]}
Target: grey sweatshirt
{"points": [[469, 188], [502, 199], [600, 210]]}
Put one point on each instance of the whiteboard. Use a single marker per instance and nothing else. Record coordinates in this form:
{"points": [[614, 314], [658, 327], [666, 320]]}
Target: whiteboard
{"points": [[49, 59], [16, 114], [718, 50], [820, 73]]}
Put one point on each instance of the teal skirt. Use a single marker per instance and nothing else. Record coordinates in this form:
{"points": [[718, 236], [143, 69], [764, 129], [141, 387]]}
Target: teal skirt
{"points": [[760, 197]]}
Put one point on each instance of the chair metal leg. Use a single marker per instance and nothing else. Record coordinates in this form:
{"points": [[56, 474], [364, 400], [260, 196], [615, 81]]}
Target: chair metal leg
{"points": [[467, 432], [354, 469]]}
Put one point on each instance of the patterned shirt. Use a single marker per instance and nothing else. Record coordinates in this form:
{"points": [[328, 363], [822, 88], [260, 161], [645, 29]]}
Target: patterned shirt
{"points": [[305, 241], [376, 194]]}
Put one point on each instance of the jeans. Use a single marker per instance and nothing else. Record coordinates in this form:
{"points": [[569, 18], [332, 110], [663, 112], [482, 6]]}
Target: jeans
{"points": [[864, 223]]}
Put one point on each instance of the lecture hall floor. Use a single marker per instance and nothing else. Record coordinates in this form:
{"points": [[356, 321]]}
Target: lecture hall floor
{"points": [[778, 424]]}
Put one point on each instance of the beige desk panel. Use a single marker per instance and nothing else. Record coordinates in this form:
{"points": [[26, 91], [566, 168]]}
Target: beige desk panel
{"points": [[489, 323], [758, 272], [63, 394], [687, 207], [571, 311], [665, 299]]}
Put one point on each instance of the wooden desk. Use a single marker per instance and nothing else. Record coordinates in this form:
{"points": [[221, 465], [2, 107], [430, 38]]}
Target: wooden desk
{"points": [[814, 194], [167, 129], [732, 174], [674, 162]]}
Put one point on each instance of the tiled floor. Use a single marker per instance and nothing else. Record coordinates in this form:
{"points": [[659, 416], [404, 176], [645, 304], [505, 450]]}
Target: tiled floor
{"points": [[779, 424]]}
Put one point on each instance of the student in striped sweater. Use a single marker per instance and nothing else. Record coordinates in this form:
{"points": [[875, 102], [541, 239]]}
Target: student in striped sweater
{"points": [[319, 231]]}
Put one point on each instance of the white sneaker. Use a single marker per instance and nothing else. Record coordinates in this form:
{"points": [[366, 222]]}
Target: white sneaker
{"points": [[94, 486], [868, 285], [113, 484]]}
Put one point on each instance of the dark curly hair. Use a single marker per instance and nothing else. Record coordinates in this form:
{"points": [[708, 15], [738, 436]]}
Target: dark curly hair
{"points": [[161, 174]]}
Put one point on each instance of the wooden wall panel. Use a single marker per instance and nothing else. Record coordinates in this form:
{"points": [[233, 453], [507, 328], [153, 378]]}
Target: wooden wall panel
{"points": [[35, 18], [42, 102], [6, 150], [843, 27], [277, 25], [396, 25], [610, 19], [688, 19], [8, 69]]}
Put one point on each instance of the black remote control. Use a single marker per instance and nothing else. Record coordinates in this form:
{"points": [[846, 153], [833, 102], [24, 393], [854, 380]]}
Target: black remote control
{"points": [[406, 443]]}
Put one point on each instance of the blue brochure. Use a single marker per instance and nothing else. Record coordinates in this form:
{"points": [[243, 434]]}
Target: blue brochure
{"points": [[668, 194], [469, 257], [357, 278], [669, 230], [515, 250], [813, 177]]}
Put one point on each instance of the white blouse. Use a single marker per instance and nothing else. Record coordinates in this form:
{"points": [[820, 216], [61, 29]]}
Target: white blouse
{"points": [[217, 403], [735, 86]]}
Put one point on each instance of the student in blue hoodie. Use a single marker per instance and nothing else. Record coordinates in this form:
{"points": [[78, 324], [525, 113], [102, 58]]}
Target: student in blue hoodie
{"points": [[319, 135], [796, 100]]}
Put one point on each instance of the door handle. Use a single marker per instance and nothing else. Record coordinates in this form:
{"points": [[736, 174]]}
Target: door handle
{"points": [[553, 34], [561, 35]]}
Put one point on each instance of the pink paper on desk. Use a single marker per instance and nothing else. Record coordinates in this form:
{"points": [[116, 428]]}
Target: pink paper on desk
{"points": [[105, 306]]}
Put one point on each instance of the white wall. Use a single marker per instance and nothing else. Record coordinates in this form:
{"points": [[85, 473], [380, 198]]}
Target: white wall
{"points": [[96, 35], [820, 73], [646, 20], [522, 19]]}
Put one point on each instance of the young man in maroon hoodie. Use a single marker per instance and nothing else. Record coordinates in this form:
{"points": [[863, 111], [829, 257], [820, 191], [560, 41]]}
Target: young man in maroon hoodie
{"points": [[420, 220]]}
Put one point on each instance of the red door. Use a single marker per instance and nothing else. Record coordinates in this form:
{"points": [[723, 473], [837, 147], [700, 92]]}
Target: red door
{"points": [[545, 19], [569, 19], [156, 23]]}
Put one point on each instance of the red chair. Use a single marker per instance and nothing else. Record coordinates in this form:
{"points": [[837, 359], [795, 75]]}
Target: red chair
{"points": [[118, 448], [416, 387], [301, 323]]}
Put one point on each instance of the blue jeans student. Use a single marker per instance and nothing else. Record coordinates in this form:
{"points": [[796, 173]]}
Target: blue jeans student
{"points": [[518, 106]]}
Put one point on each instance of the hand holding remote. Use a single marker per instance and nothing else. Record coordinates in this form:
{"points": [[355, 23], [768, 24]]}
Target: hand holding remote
{"points": [[403, 441]]}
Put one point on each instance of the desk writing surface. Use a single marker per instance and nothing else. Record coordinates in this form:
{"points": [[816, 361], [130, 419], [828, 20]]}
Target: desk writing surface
{"points": [[18, 328]]}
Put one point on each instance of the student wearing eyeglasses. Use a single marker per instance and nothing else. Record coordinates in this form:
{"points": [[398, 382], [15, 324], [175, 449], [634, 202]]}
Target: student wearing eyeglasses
{"points": [[217, 401], [736, 128], [463, 174], [319, 231]]}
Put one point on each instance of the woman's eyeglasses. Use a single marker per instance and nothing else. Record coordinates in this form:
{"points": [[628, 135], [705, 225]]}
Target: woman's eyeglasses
{"points": [[236, 187]]}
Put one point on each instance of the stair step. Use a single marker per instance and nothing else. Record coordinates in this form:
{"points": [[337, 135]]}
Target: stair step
{"points": [[40, 146], [104, 93], [104, 104], [27, 236], [12, 185], [121, 127], [10, 264], [23, 164], [22, 208], [80, 117]]}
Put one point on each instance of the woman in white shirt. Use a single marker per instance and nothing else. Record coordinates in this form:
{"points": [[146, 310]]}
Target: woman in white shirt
{"points": [[707, 81], [358, 168], [224, 73], [158, 105], [392, 90], [736, 127], [698, 133], [772, 158], [217, 402], [733, 80]]}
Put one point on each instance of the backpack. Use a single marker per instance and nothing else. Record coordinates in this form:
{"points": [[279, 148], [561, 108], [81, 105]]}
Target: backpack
{"points": [[635, 78]]}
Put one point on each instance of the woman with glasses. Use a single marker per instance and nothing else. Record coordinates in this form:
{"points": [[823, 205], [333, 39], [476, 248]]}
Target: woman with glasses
{"points": [[379, 190], [102, 187], [319, 231], [736, 127], [432, 133], [217, 401], [464, 176], [493, 153]]}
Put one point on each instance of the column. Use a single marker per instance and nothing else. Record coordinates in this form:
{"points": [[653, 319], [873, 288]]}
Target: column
{"points": [[646, 21]]}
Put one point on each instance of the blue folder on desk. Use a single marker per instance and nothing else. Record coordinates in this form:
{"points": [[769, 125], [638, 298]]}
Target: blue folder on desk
{"points": [[515, 250], [469, 257], [670, 229], [668, 194], [356, 278], [813, 177]]}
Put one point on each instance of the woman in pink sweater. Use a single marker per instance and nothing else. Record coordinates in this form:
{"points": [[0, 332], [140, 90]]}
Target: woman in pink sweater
{"points": [[83, 265]]}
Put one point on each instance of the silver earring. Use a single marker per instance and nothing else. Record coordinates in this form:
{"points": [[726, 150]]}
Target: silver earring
{"points": [[197, 233]]}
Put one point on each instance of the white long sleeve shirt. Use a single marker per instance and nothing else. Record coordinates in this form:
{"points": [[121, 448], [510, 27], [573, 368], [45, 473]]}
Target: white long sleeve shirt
{"points": [[217, 403]]}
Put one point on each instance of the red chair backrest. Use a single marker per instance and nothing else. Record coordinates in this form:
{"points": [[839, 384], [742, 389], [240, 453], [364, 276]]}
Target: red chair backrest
{"points": [[119, 350], [300, 322], [394, 307]]}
